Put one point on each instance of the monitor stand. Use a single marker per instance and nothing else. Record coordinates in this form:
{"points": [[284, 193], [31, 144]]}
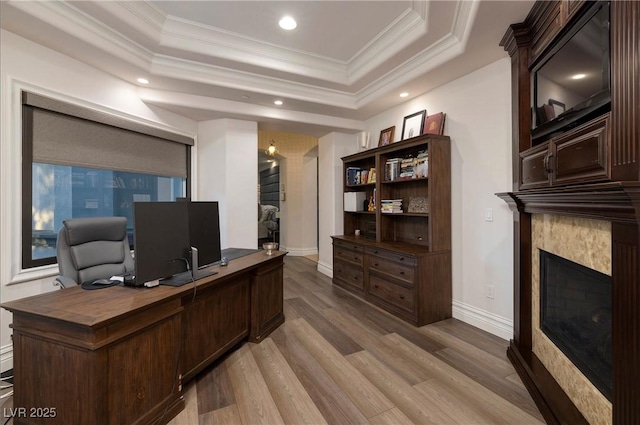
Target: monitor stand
{"points": [[199, 273]]}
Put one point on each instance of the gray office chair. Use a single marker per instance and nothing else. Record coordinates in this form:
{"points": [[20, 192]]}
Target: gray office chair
{"points": [[92, 248]]}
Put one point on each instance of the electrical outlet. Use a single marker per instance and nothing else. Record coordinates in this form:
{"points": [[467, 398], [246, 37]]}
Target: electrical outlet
{"points": [[490, 293]]}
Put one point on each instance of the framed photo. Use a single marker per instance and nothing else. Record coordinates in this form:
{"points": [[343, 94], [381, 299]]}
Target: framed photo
{"points": [[558, 107], [412, 125], [434, 124], [386, 136]]}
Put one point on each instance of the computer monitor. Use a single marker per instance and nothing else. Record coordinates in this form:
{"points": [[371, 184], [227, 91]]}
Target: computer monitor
{"points": [[161, 242], [204, 232]]}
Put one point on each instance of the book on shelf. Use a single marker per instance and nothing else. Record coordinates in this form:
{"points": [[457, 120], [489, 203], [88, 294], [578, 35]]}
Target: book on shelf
{"points": [[391, 206], [372, 175], [356, 175]]}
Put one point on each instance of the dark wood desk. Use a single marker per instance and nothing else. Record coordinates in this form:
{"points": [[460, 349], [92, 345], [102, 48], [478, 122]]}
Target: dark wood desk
{"points": [[120, 355]]}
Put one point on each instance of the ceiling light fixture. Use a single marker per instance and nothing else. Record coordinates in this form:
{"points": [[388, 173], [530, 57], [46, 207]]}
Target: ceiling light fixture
{"points": [[288, 23], [143, 80], [278, 102], [578, 76], [271, 150], [404, 94]]}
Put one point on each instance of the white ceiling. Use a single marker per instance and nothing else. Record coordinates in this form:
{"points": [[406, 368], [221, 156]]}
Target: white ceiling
{"points": [[345, 62]]}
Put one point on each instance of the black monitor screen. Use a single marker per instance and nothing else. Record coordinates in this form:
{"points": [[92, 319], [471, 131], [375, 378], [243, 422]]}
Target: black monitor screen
{"points": [[161, 239], [204, 231]]}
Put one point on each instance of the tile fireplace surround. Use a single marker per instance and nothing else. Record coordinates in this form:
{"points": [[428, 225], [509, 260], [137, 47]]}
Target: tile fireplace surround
{"points": [[588, 243]]}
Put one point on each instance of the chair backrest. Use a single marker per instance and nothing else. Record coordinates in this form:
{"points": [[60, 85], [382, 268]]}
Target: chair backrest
{"points": [[94, 248]]}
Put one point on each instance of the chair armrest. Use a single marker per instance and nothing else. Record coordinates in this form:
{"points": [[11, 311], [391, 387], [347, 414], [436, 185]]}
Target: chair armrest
{"points": [[64, 282]]}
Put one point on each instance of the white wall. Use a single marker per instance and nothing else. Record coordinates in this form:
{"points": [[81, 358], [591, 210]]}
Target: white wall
{"points": [[227, 152], [25, 65], [331, 148], [478, 120]]}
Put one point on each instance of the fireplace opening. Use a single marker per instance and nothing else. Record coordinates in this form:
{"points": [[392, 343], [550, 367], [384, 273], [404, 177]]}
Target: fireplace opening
{"points": [[576, 315]]}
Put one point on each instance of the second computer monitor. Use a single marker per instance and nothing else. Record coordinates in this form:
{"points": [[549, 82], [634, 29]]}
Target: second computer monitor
{"points": [[204, 231]]}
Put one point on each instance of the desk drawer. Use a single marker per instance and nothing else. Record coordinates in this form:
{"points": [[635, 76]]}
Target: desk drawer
{"points": [[348, 245], [349, 274], [404, 272], [391, 293], [398, 257]]}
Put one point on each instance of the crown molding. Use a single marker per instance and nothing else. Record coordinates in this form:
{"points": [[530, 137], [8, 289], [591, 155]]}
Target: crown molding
{"points": [[403, 31], [67, 18], [142, 16], [168, 66], [230, 107], [214, 42], [445, 49]]}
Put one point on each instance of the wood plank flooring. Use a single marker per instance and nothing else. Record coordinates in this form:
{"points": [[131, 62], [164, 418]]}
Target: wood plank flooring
{"points": [[339, 360]]}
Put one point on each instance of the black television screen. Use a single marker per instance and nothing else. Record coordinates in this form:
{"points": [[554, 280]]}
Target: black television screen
{"points": [[204, 231], [161, 241], [572, 83]]}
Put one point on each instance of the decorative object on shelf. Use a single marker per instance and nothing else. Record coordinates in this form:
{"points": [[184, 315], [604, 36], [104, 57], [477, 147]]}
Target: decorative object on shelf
{"points": [[354, 201], [386, 136], [271, 150], [363, 139], [413, 124], [434, 124], [418, 204]]}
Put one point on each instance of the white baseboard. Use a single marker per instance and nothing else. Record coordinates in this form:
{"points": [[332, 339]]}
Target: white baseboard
{"points": [[6, 358], [325, 269], [492, 323], [299, 252]]}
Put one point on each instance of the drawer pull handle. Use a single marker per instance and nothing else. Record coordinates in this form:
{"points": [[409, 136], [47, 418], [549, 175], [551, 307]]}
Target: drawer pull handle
{"points": [[375, 264], [402, 297], [402, 273], [355, 258], [375, 286], [401, 258], [375, 252]]}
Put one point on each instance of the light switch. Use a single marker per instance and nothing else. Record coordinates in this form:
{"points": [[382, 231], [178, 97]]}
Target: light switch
{"points": [[488, 214]]}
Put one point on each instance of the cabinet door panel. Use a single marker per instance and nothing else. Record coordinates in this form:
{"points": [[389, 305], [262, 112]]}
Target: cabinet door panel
{"points": [[532, 167]]}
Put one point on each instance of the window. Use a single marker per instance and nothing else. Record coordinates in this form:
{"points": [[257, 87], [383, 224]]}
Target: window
{"points": [[61, 191], [82, 163]]}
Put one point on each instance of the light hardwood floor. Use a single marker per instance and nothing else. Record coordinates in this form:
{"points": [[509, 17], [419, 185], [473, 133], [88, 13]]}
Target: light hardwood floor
{"points": [[338, 360]]}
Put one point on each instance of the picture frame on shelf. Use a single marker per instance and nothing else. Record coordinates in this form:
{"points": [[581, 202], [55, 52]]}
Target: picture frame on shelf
{"points": [[413, 124], [434, 124], [386, 136]]}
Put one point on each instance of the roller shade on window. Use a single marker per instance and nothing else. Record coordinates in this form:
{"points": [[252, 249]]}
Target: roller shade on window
{"points": [[59, 138]]}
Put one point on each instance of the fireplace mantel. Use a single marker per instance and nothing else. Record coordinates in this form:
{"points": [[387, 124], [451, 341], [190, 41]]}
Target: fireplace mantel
{"points": [[616, 202]]}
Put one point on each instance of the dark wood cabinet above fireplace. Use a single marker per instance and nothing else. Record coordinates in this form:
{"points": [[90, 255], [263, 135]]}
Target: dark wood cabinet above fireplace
{"points": [[588, 169]]}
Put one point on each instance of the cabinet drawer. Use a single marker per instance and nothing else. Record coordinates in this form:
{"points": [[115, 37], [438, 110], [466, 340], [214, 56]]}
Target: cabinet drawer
{"points": [[581, 155], [390, 292], [347, 255], [398, 257], [405, 272], [348, 245], [349, 274]]}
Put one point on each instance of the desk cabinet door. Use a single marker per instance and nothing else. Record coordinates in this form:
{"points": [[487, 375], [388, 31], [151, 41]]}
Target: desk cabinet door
{"points": [[218, 319], [266, 300]]}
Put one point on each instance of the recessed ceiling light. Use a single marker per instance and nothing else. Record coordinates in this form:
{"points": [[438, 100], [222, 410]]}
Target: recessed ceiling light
{"points": [[287, 23], [278, 102], [143, 80], [404, 94], [578, 76]]}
